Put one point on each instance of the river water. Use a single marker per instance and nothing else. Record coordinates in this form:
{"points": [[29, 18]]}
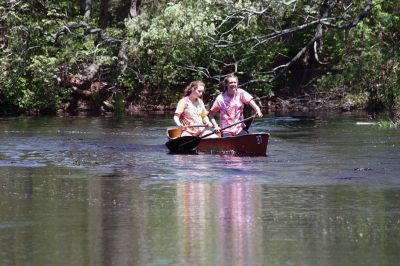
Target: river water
{"points": [[105, 191]]}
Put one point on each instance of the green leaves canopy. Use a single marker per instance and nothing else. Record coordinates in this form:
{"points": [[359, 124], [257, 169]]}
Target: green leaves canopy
{"points": [[170, 43]]}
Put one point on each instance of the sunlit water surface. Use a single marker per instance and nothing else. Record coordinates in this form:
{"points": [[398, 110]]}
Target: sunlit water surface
{"points": [[105, 191]]}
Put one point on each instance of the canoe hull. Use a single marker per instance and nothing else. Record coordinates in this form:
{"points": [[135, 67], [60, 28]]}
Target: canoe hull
{"points": [[254, 144]]}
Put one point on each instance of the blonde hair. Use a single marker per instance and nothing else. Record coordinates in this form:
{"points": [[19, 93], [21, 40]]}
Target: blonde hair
{"points": [[192, 86]]}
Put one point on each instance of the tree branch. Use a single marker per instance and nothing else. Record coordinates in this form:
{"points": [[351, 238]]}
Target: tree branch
{"points": [[366, 11], [71, 29], [202, 70], [318, 35], [264, 38]]}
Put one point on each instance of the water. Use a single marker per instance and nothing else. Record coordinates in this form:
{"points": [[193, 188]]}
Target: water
{"points": [[105, 191]]}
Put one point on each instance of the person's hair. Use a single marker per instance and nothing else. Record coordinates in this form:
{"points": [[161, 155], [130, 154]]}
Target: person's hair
{"points": [[227, 77], [192, 86]]}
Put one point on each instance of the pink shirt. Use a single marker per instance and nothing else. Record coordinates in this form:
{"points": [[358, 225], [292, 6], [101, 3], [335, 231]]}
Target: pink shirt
{"points": [[231, 109], [191, 114]]}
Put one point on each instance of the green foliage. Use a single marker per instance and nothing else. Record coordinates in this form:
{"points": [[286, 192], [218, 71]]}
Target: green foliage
{"points": [[35, 61], [173, 42], [27, 78], [387, 124], [369, 60], [179, 44], [161, 48]]}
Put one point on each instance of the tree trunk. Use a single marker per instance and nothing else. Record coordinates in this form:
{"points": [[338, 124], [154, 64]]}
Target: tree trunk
{"points": [[87, 9], [105, 15], [133, 12], [134, 9]]}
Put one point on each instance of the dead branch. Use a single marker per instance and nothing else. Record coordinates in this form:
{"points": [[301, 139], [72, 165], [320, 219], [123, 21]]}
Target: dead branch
{"points": [[202, 70], [87, 30], [264, 38]]}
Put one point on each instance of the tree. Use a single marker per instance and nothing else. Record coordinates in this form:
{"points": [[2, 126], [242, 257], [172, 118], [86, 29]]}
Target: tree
{"points": [[258, 40], [54, 52], [87, 9], [134, 8], [367, 65]]}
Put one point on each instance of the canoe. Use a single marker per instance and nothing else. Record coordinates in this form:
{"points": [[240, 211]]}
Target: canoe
{"points": [[253, 144]]}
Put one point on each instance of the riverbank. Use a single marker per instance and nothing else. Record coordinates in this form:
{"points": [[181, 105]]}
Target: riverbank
{"points": [[306, 103]]}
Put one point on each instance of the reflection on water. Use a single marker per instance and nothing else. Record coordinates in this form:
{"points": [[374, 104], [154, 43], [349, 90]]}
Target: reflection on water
{"points": [[218, 223], [95, 191]]}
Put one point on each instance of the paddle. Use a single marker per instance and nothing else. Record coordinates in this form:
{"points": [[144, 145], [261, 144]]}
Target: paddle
{"points": [[188, 143], [248, 124], [177, 130]]}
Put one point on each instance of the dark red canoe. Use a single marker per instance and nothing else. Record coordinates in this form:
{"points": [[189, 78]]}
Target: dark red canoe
{"points": [[254, 144]]}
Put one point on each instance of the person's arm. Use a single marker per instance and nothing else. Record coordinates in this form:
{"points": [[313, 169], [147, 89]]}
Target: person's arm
{"points": [[207, 122], [180, 107], [178, 122], [246, 98], [204, 115], [217, 129], [253, 105]]}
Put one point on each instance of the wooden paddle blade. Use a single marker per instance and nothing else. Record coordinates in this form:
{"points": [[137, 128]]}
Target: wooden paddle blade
{"points": [[174, 132], [183, 144]]}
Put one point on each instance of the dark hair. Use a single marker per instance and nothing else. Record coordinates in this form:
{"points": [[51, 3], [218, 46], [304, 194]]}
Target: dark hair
{"points": [[192, 86], [227, 77]]}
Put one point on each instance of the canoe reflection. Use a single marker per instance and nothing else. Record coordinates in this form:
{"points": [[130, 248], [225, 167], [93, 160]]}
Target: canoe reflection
{"points": [[192, 220], [220, 221]]}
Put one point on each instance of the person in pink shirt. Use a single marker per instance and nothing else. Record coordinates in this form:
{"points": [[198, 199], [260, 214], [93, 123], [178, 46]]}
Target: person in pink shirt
{"points": [[191, 112], [230, 104]]}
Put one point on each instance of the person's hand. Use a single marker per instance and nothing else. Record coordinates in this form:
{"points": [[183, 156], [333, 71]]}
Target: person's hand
{"points": [[259, 114], [209, 125], [217, 129]]}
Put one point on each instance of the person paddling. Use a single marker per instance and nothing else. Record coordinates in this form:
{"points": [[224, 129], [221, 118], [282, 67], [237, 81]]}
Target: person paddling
{"points": [[191, 112], [230, 104]]}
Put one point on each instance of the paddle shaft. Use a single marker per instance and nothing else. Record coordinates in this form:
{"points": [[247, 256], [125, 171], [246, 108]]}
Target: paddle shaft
{"points": [[231, 125], [196, 126], [188, 126]]}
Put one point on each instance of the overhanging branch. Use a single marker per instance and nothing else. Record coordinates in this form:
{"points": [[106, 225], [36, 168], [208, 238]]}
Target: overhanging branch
{"points": [[87, 30], [323, 21], [366, 11], [264, 38]]}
